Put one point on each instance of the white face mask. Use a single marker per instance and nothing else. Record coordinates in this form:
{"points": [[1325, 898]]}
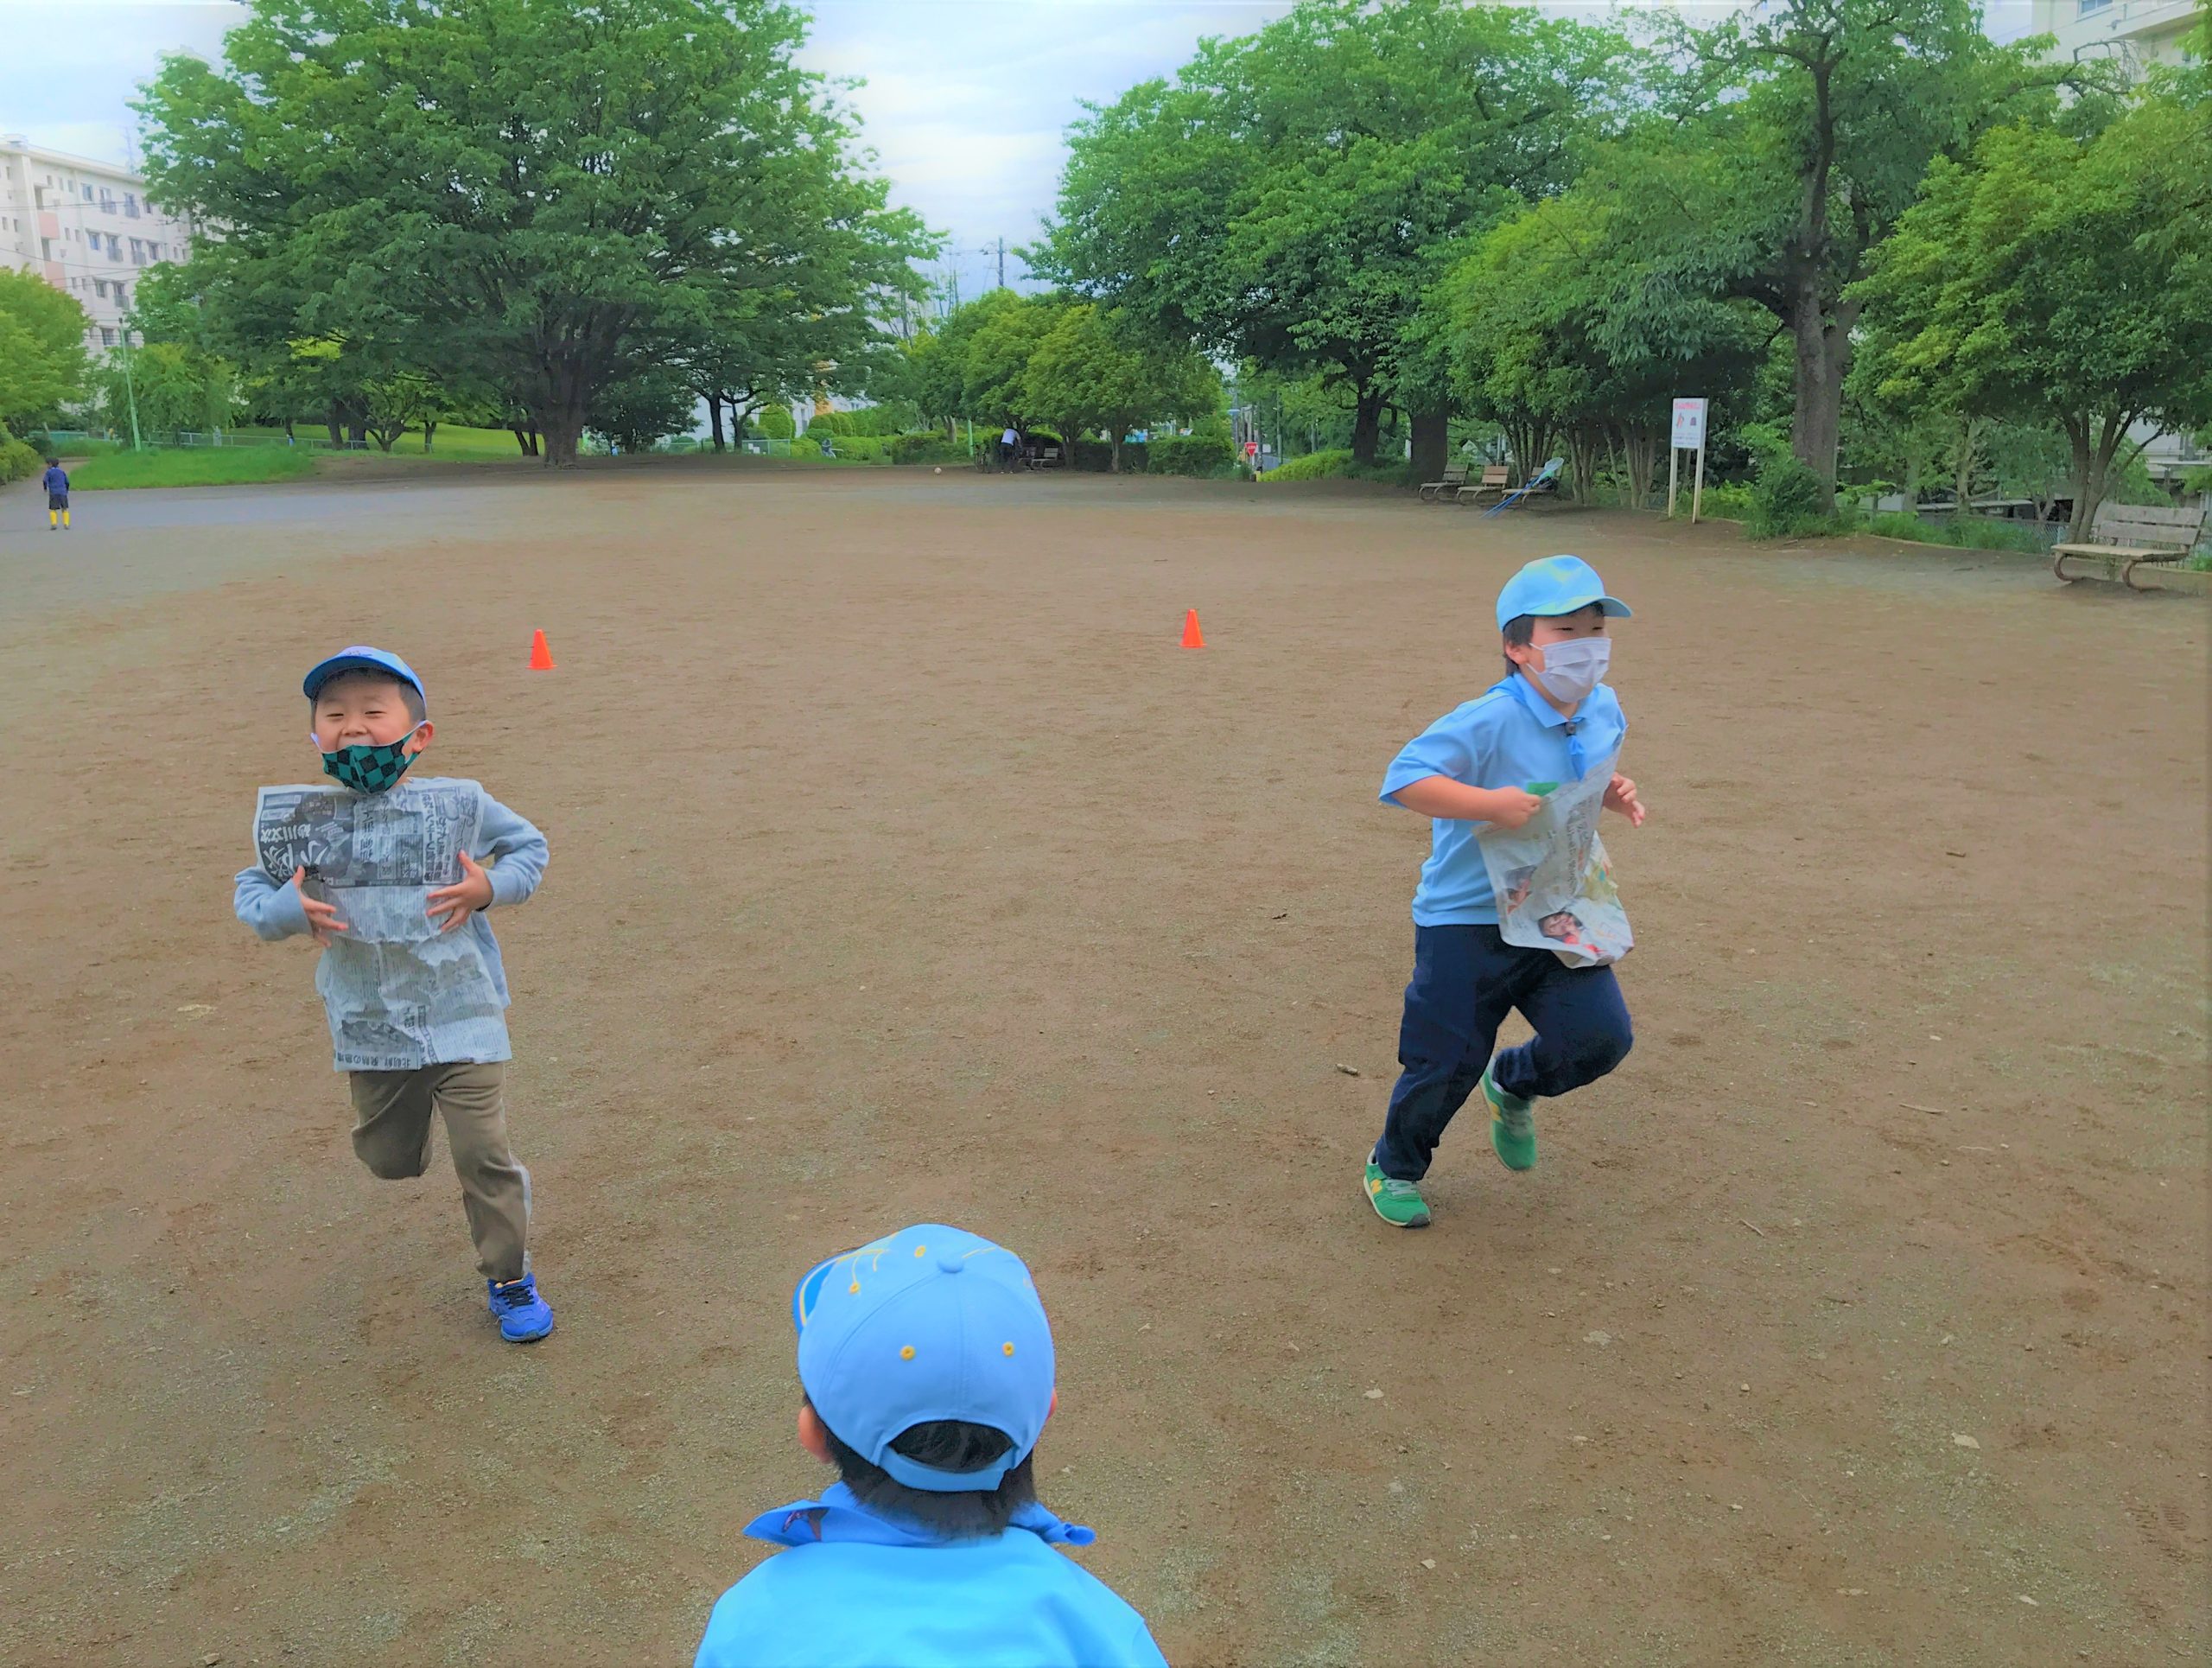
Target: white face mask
{"points": [[1572, 668]]}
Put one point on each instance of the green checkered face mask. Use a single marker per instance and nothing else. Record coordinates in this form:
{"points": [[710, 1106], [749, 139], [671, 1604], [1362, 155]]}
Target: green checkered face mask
{"points": [[370, 769]]}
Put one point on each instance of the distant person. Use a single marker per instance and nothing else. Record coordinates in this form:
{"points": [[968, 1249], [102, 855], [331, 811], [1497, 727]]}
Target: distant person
{"points": [[926, 1364], [413, 986], [1009, 446], [56, 481], [1550, 719]]}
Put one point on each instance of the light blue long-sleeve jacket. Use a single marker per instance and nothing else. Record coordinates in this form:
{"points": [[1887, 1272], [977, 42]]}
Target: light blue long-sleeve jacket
{"points": [[398, 1000]]}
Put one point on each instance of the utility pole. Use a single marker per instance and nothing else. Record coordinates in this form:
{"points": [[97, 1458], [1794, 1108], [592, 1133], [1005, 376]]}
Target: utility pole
{"points": [[1001, 262], [131, 392]]}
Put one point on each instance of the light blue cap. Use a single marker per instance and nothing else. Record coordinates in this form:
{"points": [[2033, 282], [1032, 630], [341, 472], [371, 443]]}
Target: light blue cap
{"points": [[930, 1323], [362, 658], [1555, 584]]}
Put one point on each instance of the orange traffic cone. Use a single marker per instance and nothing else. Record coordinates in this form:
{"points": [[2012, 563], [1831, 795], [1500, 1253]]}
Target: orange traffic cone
{"points": [[541, 653], [1192, 637]]}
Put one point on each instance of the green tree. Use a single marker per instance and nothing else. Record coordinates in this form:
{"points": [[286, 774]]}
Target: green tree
{"points": [[1782, 154], [1292, 196], [1557, 335], [2063, 281], [175, 387], [510, 190], [644, 407], [995, 370], [1091, 371], [43, 358]]}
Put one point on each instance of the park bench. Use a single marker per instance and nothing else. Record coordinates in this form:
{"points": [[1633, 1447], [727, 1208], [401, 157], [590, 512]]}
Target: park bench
{"points": [[1493, 480], [1455, 477], [2122, 537]]}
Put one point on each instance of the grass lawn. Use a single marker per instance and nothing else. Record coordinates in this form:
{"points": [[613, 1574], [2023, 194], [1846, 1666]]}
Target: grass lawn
{"points": [[452, 440], [215, 466]]}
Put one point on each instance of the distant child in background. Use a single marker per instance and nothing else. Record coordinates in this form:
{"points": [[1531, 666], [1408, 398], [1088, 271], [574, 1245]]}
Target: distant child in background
{"points": [[1548, 721], [416, 996], [927, 1362], [56, 481]]}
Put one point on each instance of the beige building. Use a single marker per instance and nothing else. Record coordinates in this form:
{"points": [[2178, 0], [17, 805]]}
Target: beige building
{"points": [[83, 227], [2138, 32]]}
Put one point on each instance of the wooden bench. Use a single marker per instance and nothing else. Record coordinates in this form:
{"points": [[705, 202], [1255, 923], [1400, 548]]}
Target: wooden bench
{"points": [[1455, 476], [1493, 480], [2124, 536]]}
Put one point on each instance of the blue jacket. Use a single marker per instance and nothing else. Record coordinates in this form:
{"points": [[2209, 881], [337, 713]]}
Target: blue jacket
{"points": [[55, 480], [400, 994], [856, 1590]]}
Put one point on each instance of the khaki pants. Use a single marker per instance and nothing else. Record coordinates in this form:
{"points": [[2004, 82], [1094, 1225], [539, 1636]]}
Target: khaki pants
{"points": [[391, 1134]]}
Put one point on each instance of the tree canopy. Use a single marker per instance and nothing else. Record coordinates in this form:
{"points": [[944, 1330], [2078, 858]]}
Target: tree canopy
{"points": [[1292, 197], [42, 361], [2060, 279], [538, 198]]}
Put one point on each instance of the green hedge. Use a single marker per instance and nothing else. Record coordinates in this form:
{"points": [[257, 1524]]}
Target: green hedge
{"points": [[1975, 532], [1191, 455], [17, 460], [1314, 466], [931, 447], [1097, 455]]}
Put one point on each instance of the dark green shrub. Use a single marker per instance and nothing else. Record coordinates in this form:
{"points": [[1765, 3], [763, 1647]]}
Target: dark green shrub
{"points": [[928, 447], [1098, 455], [1788, 500], [17, 460], [1189, 455]]}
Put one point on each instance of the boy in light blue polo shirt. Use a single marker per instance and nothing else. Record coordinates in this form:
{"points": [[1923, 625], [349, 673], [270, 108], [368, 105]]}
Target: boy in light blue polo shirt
{"points": [[1549, 721], [927, 1363]]}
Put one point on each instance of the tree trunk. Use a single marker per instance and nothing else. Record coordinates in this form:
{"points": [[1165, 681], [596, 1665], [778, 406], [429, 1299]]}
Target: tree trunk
{"points": [[1823, 352], [1582, 452], [1640, 453], [1366, 426], [1963, 461], [1115, 466], [560, 419], [289, 436], [430, 434], [1432, 444], [2094, 448], [331, 419], [715, 418]]}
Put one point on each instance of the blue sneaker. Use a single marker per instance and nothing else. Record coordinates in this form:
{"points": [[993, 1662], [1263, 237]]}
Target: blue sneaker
{"points": [[523, 1315]]}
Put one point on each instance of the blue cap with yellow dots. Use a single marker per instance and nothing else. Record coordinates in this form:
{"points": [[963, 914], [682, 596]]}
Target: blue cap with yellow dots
{"points": [[930, 1323]]}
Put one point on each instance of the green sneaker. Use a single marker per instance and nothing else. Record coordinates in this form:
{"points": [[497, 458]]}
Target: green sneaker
{"points": [[1512, 1126], [1398, 1203]]}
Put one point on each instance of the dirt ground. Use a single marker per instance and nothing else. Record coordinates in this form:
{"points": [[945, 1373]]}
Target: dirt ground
{"points": [[903, 867]]}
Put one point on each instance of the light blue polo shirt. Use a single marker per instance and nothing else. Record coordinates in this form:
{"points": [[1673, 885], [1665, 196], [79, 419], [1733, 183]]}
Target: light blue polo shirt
{"points": [[1508, 736], [855, 1591]]}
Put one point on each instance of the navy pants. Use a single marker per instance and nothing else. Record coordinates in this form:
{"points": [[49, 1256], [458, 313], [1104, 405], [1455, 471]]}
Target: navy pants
{"points": [[1465, 980]]}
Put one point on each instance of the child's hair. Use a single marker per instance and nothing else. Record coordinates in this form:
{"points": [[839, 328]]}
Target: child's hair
{"points": [[407, 693], [1520, 632], [951, 1445], [54, 463]]}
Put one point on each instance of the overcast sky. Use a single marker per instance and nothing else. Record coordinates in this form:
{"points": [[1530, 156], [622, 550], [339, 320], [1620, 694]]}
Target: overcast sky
{"points": [[966, 101]]}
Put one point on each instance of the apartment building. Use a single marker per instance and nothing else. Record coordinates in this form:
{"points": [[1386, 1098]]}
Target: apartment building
{"points": [[2136, 33], [86, 227]]}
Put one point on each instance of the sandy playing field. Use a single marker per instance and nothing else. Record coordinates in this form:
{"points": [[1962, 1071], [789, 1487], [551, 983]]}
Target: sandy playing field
{"points": [[905, 868]]}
